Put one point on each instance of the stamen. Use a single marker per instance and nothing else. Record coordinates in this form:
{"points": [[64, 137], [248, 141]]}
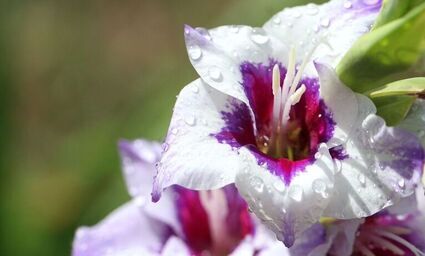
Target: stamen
{"points": [[363, 249], [384, 244], [295, 98], [277, 93], [399, 240]]}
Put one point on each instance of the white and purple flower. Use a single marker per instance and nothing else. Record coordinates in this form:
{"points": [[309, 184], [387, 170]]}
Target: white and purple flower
{"points": [[398, 230], [270, 115], [184, 222]]}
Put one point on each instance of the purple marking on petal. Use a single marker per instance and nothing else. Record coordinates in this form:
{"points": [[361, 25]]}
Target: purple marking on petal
{"points": [[338, 153], [194, 37], [310, 239], [310, 119]]}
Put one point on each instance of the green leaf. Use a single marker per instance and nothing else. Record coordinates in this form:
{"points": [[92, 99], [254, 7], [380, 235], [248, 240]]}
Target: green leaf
{"points": [[390, 52], [411, 86], [394, 108], [390, 49]]}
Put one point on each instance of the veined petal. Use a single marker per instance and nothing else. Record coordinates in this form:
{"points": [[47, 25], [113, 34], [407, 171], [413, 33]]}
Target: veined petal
{"points": [[287, 209], [193, 156], [377, 165], [338, 23], [126, 231]]}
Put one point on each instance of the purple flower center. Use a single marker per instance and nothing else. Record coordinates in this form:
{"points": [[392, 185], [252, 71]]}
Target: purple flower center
{"points": [[289, 142]]}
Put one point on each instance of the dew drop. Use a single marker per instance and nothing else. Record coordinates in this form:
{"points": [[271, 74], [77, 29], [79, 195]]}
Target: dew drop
{"points": [[277, 20], [195, 52], [312, 9], [204, 32], [401, 183], [165, 147], [257, 183], [279, 186], [259, 36], [235, 29], [348, 4], [317, 155], [370, 2], [215, 74], [296, 193], [195, 89], [140, 201], [319, 186], [190, 120], [174, 131], [362, 179], [325, 22], [338, 166]]}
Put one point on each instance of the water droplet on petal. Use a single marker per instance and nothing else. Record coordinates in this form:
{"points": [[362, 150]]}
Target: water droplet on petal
{"points": [[325, 22], [174, 131], [204, 32], [317, 155], [279, 186], [257, 183], [370, 2], [165, 147], [296, 193], [338, 166], [215, 74], [259, 36], [235, 29], [190, 120], [347, 4], [312, 9], [319, 186], [195, 89], [401, 183], [195, 52], [362, 179], [277, 20], [140, 201]]}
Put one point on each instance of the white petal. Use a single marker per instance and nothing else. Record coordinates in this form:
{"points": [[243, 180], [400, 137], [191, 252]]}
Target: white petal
{"points": [[381, 165], [290, 209], [219, 55], [193, 157], [138, 159], [338, 23], [175, 247], [126, 231]]}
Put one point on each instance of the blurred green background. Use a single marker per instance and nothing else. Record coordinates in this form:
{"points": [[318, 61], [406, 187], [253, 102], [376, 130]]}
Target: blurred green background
{"points": [[75, 77]]}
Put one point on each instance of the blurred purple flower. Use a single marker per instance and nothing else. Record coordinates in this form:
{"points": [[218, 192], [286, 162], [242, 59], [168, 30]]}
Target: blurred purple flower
{"points": [[184, 222]]}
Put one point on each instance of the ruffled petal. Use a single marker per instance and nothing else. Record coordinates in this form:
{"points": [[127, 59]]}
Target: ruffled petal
{"points": [[338, 23], [126, 231], [287, 208], [376, 165], [193, 157]]}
